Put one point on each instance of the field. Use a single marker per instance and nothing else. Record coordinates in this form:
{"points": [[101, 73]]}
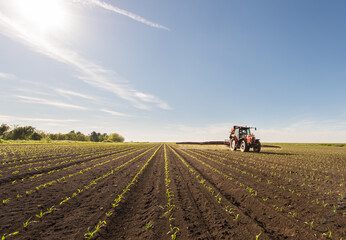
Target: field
{"points": [[168, 191]]}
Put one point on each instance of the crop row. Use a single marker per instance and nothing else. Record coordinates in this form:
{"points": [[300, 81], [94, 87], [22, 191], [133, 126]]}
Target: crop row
{"points": [[39, 216], [309, 166], [63, 178], [102, 222], [250, 189], [67, 167], [291, 182], [254, 193], [30, 153], [170, 196], [210, 189], [59, 161]]}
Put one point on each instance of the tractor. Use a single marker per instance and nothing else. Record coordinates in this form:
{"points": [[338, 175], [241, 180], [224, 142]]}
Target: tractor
{"points": [[241, 137]]}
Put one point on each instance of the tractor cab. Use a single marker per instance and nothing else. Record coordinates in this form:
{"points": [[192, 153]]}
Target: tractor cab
{"points": [[241, 132]]}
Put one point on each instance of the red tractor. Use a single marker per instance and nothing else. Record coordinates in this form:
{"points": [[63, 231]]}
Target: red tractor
{"points": [[241, 137]]}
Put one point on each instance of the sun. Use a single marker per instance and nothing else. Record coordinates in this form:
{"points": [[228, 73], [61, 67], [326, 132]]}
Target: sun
{"points": [[44, 14]]}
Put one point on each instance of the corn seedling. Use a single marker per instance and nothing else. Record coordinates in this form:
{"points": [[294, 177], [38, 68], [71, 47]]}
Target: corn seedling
{"points": [[173, 231], [40, 215], [109, 213], [310, 224], [328, 235], [89, 234], [25, 224], [50, 210], [8, 235], [236, 217], [148, 226]]}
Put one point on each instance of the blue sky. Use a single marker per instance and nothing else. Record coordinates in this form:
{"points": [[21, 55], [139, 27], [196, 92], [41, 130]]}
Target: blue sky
{"points": [[175, 70]]}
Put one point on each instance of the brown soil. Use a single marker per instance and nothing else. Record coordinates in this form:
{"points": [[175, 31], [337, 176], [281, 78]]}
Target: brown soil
{"points": [[273, 194]]}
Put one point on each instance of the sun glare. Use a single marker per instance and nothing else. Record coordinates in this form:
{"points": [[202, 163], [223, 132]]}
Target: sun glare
{"points": [[44, 14]]}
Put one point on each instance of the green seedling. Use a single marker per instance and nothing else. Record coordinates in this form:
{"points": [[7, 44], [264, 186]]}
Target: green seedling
{"points": [[99, 225], [25, 224], [89, 234], [49, 210], [219, 200], [310, 224], [171, 218], [8, 235], [148, 226], [328, 235], [174, 231], [40, 215], [258, 235]]}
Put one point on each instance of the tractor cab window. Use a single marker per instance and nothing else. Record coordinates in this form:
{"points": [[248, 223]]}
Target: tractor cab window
{"points": [[244, 131], [237, 133]]}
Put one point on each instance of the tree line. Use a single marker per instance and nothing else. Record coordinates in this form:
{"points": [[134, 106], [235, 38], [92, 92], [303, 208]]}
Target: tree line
{"points": [[31, 133]]}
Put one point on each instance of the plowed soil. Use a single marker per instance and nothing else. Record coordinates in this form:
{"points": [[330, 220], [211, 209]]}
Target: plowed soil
{"points": [[292, 192]]}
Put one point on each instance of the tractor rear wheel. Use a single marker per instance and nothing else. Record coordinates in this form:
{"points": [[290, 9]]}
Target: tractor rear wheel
{"points": [[232, 145], [257, 147], [243, 146]]}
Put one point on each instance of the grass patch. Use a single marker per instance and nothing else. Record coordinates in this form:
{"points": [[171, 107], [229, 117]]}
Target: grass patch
{"points": [[308, 144]]}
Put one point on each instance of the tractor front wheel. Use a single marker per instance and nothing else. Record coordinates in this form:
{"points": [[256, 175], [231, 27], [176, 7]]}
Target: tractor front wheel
{"points": [[233, 145], [243, 146]]}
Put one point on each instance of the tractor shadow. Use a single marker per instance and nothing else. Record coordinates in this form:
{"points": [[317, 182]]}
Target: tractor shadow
{"points": [[278, 153]]}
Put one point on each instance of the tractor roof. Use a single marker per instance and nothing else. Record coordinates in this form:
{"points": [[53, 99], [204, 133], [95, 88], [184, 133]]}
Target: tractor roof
{"points": [[246, 127]]}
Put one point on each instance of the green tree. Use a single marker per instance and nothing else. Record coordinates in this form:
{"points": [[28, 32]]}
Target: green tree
{"points": [[114, 137], [81, 137], [103, 137], [4, 129], [21, 133], [35, 136], [94, 137], [61, 136]]}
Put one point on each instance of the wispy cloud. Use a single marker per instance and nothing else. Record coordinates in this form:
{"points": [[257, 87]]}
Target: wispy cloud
{"points": [[91, 73], [152, 99], [6, 118], [67, 93], [32, 91], [6, 75], [131, 15], [118, 114], [63, 92], [49, 102]]}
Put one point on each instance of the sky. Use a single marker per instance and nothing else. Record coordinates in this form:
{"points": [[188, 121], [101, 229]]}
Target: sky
{"points": [[159, 70]]}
